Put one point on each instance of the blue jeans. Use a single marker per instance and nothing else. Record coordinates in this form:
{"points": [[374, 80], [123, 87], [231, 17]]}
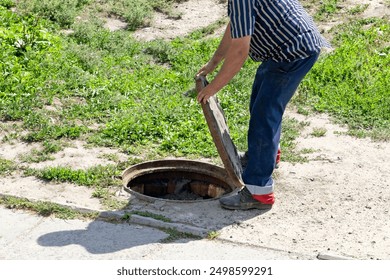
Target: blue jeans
{"points": [[275, 83]]}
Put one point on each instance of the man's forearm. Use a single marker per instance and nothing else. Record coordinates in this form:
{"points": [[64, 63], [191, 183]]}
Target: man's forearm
{"points": [[234, 58], [223, 47]]}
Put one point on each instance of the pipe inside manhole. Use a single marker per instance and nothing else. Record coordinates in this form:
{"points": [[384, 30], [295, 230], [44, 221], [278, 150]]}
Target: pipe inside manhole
{"points": [[176, 180]]}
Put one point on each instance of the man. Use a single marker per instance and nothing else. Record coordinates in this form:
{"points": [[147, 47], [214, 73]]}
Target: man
{"points": [[281, 35]]}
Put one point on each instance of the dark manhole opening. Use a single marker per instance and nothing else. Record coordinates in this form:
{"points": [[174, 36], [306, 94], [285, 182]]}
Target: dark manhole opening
{"points": [[177, 180], [179, 186]]}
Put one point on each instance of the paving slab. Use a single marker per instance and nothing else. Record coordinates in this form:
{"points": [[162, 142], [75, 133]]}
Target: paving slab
{"points": [[26, 236]]}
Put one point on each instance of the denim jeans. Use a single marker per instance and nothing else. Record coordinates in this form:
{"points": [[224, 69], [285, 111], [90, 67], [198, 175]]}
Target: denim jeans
{"points": [[274, 85]]}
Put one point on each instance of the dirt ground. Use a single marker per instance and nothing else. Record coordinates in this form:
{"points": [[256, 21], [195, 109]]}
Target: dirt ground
{"points": [[338, 202]]}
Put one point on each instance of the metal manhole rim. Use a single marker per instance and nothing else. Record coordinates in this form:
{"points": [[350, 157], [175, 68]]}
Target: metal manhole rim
{"points": [[179, 165]]}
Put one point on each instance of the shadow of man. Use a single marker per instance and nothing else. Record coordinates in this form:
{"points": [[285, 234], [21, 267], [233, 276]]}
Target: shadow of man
{"points": [[102, 237]]}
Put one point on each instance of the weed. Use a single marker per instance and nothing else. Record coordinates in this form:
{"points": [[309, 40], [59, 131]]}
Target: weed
{"points": [[126, 217], [44, 154], [45, 208], [7, 166], [318, 132], [111, 203], [303, 111], [307, 151], [7, 3], [358, 9], [112, 157], [152, 215], [98, 176], [100, 192], [176, 235], [326, 9], [62, 12], [290, 131], [212, 235]]}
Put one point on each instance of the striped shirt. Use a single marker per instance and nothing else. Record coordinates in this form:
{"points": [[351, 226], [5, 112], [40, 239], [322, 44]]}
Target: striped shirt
{"points": [[281, 30]]}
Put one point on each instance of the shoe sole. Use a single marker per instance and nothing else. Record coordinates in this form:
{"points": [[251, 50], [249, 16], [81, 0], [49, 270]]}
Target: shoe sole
{"points": [[259, 207]]}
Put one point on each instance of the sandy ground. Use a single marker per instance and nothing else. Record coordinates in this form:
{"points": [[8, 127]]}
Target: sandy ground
{"points": [[339, 201]]}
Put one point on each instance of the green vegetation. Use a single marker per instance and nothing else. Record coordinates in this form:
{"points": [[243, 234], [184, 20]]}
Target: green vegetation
{"points": [[177, 235], [352, 83], [327, 9], [95, 176], [291, 129], [38, 155], [59, 11], [318, 132], [6, 166], [108, 89], [152, 215], [45, 208], [135, 13], [212, 235], [358, 9]]}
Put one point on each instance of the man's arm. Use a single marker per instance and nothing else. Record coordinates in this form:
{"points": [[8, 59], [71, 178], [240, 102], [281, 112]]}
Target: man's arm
{"points": [[235, 55], [219, 54]]}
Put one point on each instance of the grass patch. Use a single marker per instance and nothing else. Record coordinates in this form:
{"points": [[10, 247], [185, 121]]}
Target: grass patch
{"points": [[291, 129], [152, 215], [45, 208], [327, 9], [7, 166], [318, 132], [44, 154], [213, 235], [103, 180], [352, 83], [358, 9], [99, 176], [177, 235], [59, 11]]}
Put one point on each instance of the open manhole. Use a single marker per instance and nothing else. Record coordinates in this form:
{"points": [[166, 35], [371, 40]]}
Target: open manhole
{"points": [[179, 180], [187, 180]]}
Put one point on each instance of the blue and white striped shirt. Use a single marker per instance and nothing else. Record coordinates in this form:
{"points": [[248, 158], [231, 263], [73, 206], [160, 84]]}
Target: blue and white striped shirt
{"points": [[281, 30]]}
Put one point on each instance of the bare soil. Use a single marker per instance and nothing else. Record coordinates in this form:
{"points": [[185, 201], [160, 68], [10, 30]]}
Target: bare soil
{"points": [[338, 201]]}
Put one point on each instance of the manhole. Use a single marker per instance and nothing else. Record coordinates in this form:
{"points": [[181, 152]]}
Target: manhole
{"points": [[178, 180], [187, 180]]}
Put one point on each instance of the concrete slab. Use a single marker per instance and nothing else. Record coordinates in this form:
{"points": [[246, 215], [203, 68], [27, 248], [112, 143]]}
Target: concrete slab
{"points": [[29, 237], [25, 236]]}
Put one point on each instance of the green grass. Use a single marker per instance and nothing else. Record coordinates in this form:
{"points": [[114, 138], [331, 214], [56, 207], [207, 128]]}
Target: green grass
{"points": [[291, 129], [45, 208], [352, 83], [46, 153], [318, 132], [96, 76], [59, 11], [152, 215], [97, 176], [177, 235], [7, 166], [213, 235], [108, 89], [358, 9], [327, 8]]}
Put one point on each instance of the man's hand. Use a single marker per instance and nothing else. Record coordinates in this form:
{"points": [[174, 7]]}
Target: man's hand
{"points": [[205, 94], [207, 69]]}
